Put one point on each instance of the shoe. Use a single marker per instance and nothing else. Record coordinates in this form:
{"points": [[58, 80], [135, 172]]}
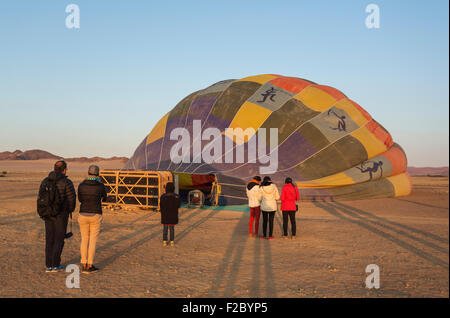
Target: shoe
{"points": [[91, 269], [58, 268], [172, 243], [262, 237], [164, 243], [270, 238], [83, 268], [49, 269], [293, 237], [285, 237]]}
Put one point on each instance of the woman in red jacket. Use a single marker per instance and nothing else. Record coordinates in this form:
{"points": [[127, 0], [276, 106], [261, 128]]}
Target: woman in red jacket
{"points": [[289, 196]]}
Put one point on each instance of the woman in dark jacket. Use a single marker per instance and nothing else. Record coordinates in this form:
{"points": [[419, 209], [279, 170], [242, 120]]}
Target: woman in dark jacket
{"points": [[91, 193], [169, 204], [289, 196]]}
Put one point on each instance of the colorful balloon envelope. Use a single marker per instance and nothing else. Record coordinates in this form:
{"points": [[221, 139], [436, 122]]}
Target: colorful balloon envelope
{"points": [[278, 126]]}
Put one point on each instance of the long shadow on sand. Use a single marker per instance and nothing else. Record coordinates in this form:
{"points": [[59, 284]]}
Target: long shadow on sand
{"points": [[354, 212], [262, 247], [256, 274], [129, 236], [236, 247], [26, 217], [108, 228], [422, 204], [145, 239], [22, 196], [232, 261], [193, 226], [333, 210]]}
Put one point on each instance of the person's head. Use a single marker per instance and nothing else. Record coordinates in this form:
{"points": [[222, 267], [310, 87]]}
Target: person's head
{"points": [[266, 181], [170, 187], [288, 180], [93, 170], [257, 178], [60, 166]]}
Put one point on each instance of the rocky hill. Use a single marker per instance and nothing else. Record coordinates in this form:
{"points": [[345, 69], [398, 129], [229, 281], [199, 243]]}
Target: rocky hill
{"points": [[428, 171], [37, 154]]}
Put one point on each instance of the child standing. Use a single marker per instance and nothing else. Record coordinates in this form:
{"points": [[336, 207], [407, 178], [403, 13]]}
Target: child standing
{"points": [[169, 204]]}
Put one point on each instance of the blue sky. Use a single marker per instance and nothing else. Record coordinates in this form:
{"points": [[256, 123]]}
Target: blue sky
{"points": [[99, 90]]}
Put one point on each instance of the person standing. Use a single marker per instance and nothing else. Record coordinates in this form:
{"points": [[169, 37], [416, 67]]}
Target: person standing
{"points": [[289, 196], [269, 205], [169, 204], [57, 199], [254, 201], [91, 193]]}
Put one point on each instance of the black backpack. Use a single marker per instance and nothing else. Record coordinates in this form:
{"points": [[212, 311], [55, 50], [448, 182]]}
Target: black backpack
{"points": [[49, 203]]}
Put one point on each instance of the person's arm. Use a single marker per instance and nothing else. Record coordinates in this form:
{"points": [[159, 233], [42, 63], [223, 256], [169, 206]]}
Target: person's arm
{"points": [[71, 196], [297, 192], [104, 194], [277, 194], [80, 194], [283, 194], [162, 204], [41, 187], [178, 201]]}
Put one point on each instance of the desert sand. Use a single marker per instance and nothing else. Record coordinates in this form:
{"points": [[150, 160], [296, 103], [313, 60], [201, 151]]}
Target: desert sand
{"points": [[407, 237]]}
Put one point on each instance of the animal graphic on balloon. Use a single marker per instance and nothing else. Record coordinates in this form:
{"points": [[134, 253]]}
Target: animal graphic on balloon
{"points": [[269, 92], [373, 169], [341, 124]]}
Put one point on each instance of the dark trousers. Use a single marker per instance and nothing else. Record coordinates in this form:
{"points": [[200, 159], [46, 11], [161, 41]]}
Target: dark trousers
{"points": [[172, 232], [290, 215], [268, 217], [55, 229]]}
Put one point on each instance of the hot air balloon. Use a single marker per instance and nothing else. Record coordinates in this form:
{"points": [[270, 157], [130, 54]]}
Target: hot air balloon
{"points": [[278, 126]]}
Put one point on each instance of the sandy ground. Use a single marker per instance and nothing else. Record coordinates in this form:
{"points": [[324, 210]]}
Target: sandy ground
{"points": [[408, 238]]}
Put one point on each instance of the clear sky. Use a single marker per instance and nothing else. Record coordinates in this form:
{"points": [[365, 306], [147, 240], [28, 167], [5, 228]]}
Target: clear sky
{"points": [[99, 90]]}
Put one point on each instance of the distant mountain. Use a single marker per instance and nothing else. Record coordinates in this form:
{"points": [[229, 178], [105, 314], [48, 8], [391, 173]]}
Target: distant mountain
{"points": [[427, 171], [27, 155], [94, 159], [37, 154]]}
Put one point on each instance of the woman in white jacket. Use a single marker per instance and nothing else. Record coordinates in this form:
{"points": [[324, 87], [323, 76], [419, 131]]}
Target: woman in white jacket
{"points": [[254, 201], [269, 205]]}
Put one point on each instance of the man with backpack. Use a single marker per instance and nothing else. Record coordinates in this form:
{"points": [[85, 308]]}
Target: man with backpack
{"points": [[56, 201]]}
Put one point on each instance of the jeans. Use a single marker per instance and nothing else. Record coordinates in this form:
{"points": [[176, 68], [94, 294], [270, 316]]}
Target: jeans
{"points": [[254, 216], [90, 229], [55, 229], [268, 217], [172, 232], [291, 215]]}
